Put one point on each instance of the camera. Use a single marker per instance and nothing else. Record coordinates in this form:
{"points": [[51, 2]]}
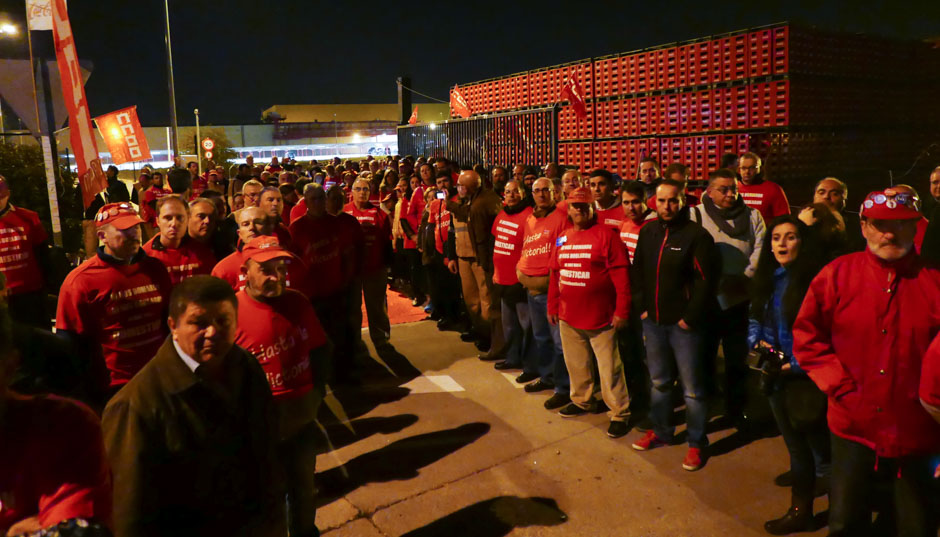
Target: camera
{"points": [[441, 195], [769, 362], [766, 360]]}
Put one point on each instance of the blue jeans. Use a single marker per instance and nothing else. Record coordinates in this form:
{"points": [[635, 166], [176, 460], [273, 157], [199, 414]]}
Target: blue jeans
{"points": [[548, 360], [516, 329], [672, 352]]}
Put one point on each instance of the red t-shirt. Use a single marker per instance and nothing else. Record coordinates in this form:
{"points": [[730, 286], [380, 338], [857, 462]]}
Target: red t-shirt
{"points": [[630, 233], [191, 258], [538, 241], [377, 232], [610, 217], [122, 307], [590, 283], [230, 270], [280, 333], [767, 197], [148, 212], [297, 211], [317, 245], [508, 229], [54, 462], [20, 233], [440, 217]]}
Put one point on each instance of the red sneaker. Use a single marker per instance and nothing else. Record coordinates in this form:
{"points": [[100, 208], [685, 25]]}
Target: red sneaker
{"points": [[693, 459], [649, 441]]}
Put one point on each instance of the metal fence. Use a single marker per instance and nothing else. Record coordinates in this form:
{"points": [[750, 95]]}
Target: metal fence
{"points": [[523, 137]]}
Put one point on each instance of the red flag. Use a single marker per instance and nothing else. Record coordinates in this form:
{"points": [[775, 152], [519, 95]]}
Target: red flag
{"points": [[124, 135], [458, 104], [414, 116], [90, 175], [575, 96]]}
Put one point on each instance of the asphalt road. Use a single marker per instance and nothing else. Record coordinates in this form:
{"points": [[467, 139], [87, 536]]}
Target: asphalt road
{"points": [[436, 442]]}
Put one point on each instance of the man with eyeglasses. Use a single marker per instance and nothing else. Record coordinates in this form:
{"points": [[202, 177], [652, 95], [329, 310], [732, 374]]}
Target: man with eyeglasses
{"points": [[861, 334], [738, 232], [376, 259], [547, 364]]}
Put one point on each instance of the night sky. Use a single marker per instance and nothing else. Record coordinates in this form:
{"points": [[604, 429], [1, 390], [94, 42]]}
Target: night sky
{"points": [[234, 58]]}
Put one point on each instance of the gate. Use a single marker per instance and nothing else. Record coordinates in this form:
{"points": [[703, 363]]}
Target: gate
{"points": [[527, 137]]}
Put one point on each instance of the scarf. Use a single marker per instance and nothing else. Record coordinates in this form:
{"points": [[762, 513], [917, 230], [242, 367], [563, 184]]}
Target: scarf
{"points": [[737, 213]]}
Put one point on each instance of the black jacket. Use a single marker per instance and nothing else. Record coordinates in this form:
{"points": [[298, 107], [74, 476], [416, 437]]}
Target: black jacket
{"points": [[673, 273]]}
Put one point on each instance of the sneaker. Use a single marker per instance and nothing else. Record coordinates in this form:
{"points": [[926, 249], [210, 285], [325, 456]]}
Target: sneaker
{"points": [[617, 429], [649, 441], [572, 410], [557, 400], [693, 459]]}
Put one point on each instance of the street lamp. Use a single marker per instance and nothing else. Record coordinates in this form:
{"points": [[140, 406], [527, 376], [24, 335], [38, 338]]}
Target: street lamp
{"points": [[9, 29]]}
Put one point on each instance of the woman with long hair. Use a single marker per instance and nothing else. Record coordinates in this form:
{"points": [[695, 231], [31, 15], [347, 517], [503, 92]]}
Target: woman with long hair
{"points": [[789, 260]]}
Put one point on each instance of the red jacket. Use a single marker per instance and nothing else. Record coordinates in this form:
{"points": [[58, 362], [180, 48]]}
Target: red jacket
{"points": [[861, 334]]}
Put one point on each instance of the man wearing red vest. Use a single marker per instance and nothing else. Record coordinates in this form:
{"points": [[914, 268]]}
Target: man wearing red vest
{"points": [[375, 260], [589, 299], [861, 335]]}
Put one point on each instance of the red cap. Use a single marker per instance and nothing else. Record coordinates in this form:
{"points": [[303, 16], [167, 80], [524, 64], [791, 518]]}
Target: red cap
{"points": [[120, 215], [264, 248], [581, 195], [890, 204]]}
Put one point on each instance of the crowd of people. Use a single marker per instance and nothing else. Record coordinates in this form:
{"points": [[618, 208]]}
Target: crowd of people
{"points": [[213, 310]]}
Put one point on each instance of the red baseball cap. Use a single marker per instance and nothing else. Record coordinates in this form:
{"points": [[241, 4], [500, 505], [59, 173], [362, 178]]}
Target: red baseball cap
{"points": [[581, 195], [889, 204], [120, 215], [264, 248]]}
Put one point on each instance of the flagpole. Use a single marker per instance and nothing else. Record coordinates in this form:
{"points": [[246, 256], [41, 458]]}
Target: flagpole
{"points": [[169, 68], [45, 143]]}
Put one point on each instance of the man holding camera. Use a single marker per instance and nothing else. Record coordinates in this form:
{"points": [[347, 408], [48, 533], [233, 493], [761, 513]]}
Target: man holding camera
{"points": [[861, 335]]}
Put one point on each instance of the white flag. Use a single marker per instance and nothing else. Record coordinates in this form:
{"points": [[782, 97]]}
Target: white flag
{"points": [[39, 14]]}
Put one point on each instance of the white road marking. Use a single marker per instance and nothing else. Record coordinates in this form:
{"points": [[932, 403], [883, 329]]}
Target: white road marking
{"points": [[512, 380], [433, 384]]}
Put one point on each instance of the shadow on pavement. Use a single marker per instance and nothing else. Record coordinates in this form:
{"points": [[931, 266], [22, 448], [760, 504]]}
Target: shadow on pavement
{"points": [[341, 436], [357, 401], [399, 460], [495, 517]]}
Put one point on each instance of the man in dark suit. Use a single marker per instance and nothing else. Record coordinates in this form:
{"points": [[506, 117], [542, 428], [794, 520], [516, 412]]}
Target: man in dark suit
{"points": [[191, 438]]}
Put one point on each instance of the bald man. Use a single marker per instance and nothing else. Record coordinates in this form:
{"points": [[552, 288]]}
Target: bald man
{"points": [[473, 214]]}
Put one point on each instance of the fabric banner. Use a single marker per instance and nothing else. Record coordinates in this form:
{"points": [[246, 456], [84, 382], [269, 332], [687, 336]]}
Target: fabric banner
{"points": [[458, 104], [90, 175], [39, 14], [122, 132], [414, 116], [572, 92]]}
